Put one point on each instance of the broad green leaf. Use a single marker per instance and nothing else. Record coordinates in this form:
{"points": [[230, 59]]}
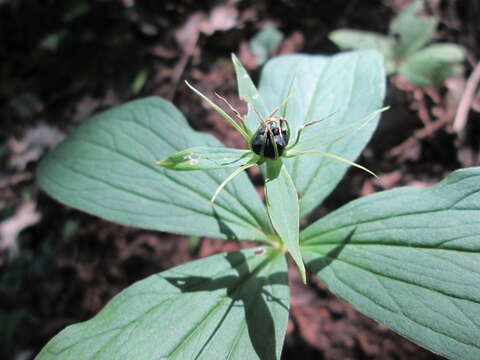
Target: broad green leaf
{"points": [[409, 258], [282, 204], [206, 158], [347, 39], [227, 306], [433, 65], [411, 30], [265, 42], [107, 168], [249, 93], [351, 85]]}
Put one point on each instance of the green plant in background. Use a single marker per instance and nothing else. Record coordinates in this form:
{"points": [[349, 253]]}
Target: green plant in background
{"points": [[404, 48], [265, 42], [408, 257]]}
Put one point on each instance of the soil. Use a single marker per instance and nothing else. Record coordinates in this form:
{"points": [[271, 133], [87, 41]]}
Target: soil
{"points": [[62, 61]]}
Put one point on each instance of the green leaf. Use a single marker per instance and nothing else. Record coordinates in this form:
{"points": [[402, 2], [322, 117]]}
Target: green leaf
{"points": [[206, 158], [107, 168], [356, 39], [139, 81], [282, 205], [409, 258], [53, 40], [433, 65], [265, 42], [76, 9], [227, 306], [412, 30], [351, 84]]}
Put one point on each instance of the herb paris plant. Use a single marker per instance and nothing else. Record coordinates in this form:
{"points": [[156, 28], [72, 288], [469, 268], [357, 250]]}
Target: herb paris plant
{"points": [[267, 145], [269, 142], [406, 257]]}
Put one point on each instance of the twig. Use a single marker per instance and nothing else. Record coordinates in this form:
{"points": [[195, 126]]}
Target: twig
{"points": [[466, 100], [418, 135], [421, 107], [178, 71]]}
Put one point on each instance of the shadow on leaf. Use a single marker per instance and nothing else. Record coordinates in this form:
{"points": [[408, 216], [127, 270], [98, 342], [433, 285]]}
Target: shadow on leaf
{"points": [[246, 290], [223, 227], [320, 263]]}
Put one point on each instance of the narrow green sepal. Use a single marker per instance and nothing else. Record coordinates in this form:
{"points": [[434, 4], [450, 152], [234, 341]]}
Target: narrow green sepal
{"points": [[205, 158], [252, 162], [313, 142], [336, 157], [221, 112]]}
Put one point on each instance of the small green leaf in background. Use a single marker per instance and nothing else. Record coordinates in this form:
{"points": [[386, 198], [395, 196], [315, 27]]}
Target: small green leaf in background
{"points": [[193, 244], [206, 158], [362, 40], [227, 306], [139, 81], [52, 41], [282, 205], [403, 49], [411, 30], [107, 168], [265, 42], [70, 228], [433, 65], [76, 9], [410, 259]]}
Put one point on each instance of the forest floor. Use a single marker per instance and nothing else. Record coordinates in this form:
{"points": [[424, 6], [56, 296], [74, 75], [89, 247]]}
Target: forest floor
{"points": [[61, 63]]}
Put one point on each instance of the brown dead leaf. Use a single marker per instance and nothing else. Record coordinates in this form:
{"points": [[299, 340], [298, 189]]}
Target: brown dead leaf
{"points": [[38, 139], [187, 34], [246, 57], [292, 44], [24, 217], [389, 180], [221, 18]]}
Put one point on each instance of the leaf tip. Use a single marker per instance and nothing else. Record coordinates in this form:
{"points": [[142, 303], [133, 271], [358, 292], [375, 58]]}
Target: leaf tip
{"points": [[212, 200], [167, 163], [234, 58], [303, 276], [188, 84]]}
